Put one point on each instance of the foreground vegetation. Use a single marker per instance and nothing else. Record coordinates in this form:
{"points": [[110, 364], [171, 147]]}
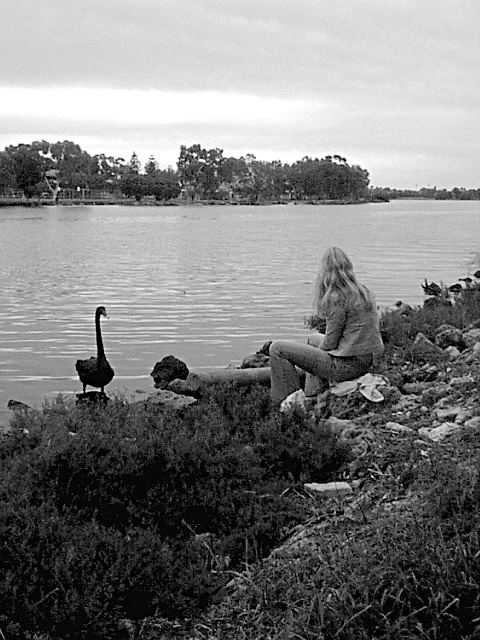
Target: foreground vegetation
{"points": [[137, 521], [104, 510]]}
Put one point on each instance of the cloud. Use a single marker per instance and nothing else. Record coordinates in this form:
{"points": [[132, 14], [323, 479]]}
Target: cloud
{"points": [[272, 47], [150, 107], [386, 83]]}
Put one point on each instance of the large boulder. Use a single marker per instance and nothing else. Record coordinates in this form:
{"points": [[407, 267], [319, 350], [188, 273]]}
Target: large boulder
{"points": [[471, 337], [450, 337], [192, 386], [425, 347], [255, 361], [259, 359], [168, 369], [168, 398]]}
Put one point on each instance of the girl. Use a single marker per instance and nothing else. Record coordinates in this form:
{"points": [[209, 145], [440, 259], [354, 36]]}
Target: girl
{"points": [[351, 339]]}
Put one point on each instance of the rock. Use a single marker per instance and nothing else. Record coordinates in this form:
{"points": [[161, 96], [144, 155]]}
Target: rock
{"points": [[473, 423], [435, 394], [92, 398], [461, 381], [453, 352], [335, 489], [398, 428], [356, 432], [391, 394], [259, 359], [265, 350], [473, 325], [415, 387], [294, 404], [406, 402], [192, 386], [437, 434], [448, 412], [427, 373], [423, 346], [450, 337], [474, 334], [338, 426], [168, 369], [476, 350], [255, 361], [469, 341], [463, 415], [170, 399], [16, 405], [444, 327], [396, 379]]}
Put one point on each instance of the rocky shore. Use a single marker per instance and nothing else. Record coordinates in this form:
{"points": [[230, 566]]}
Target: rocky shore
{"points": [[382, 540]]}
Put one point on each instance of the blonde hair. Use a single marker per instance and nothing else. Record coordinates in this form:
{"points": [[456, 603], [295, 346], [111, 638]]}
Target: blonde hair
{"points": [[336, 283]]}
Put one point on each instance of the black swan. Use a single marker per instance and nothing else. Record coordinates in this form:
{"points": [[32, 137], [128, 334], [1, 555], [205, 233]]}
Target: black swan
{"points": [[96, 372]]}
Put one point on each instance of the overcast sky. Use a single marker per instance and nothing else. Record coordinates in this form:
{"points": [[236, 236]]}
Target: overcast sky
{"points": [[392, 85]]}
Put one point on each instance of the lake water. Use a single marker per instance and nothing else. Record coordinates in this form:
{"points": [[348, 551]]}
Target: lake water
{"points": [[208, 284]]}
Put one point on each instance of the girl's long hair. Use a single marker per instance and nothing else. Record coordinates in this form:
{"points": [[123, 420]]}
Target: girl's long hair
{"points": [[336, 283]]}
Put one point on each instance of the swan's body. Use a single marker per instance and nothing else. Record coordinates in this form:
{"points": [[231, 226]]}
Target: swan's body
{"points": [[96, 372]]}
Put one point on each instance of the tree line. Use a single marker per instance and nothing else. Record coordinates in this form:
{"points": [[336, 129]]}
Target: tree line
{"points": [[29, 168], [201, 174], [429, 193]]}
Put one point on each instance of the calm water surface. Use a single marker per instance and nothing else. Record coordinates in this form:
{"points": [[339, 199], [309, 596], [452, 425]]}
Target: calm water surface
{"points": [[206, 284]]}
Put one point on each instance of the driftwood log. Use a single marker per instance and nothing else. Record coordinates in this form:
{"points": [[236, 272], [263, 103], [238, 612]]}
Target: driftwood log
{"points": [[238, 376]]}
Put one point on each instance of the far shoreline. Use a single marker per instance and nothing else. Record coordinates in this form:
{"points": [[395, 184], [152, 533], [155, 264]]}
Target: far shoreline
{"points": [[5, 202]]}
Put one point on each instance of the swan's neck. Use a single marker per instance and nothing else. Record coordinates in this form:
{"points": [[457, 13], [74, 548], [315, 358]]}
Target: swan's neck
{"points": [[100, 350]]}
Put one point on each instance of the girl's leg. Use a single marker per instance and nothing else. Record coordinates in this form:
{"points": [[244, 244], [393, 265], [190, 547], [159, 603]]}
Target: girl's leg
{"points": [[285, 355], [351, 367], [314, 385]]}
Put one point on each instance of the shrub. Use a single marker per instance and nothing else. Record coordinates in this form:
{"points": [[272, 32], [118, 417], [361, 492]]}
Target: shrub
{"points": [[413, 573], [103, 510]]}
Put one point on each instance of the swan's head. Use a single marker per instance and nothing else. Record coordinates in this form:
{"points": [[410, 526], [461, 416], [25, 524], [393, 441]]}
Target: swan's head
{"points": [[101, 311]]}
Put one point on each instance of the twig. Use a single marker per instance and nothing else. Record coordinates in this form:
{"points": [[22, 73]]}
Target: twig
{"points": [[45, 597], [359, 613]]}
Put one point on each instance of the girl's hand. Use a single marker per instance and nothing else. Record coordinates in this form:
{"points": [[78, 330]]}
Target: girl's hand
{"points": [[315, 322]]}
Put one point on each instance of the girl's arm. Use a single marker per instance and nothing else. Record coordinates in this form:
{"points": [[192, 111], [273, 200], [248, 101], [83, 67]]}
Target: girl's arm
{"points": [[336, 318]]}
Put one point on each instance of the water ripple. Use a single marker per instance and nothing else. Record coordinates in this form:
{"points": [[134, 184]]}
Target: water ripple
{"points": [[208, 285]]}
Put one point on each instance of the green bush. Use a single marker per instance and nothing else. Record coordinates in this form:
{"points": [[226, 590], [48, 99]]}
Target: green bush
{"points": [[413, 573], [104, 509], [400, 329]]}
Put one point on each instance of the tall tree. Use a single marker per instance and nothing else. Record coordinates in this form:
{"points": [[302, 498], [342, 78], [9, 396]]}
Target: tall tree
{"points": [[74, 165], [134, 164], [7, 172], [162, 184], [133, 185], [28, 169], [151, 166], [199, 170]]}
